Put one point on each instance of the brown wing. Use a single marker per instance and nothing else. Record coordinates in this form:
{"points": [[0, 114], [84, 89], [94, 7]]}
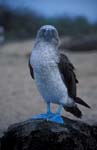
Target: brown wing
{"points": [[31, 69], [69, 78], [68, 75]]}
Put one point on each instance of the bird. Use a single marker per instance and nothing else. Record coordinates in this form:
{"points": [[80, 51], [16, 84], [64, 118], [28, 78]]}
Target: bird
{"points": [[54, 75]]}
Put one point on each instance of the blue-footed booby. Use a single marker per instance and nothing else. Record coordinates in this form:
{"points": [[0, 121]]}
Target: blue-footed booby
{"points": [[54, 75]]}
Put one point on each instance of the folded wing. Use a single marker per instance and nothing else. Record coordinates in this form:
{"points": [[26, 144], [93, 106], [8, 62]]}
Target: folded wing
{"points": [[69, 78]]}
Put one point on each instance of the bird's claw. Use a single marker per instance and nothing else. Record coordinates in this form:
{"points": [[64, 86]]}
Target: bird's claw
{"points": [[50, 117]]}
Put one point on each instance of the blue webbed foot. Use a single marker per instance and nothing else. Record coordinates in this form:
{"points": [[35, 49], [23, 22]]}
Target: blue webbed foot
{"points": [[50, 117], [43, 116], [57, 118]]}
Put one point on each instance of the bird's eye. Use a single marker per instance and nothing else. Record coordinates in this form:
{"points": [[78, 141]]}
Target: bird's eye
{"points": [[43, 30], [53, 31]]}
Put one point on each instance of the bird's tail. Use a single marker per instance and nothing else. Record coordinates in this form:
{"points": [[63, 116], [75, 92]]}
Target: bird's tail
{"points": [[74, 110], [81, 102]]}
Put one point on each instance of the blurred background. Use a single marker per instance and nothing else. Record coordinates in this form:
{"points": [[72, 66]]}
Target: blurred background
{"points": [[76, 22]]}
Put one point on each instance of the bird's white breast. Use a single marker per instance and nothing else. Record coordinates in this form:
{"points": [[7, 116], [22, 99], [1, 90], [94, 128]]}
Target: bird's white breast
{"points": [[47, 75]]}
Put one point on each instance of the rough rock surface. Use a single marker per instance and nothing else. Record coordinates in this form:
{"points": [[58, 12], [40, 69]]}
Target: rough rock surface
{"points": [[44, 135]]}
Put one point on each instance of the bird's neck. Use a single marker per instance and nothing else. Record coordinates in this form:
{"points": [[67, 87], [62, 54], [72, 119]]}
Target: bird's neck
{"points": [[44, 44], [45, 49]]}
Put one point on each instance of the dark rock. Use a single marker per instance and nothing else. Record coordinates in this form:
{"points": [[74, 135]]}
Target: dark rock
{"points": [[44, 135]]}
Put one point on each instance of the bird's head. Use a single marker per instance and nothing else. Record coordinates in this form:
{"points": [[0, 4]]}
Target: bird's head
{"points": [[48, 33]]}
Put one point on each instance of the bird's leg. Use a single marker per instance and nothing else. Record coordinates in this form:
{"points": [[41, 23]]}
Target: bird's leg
{"points": [[56, 117], [49, 113], [59, 110], [48, 108]]}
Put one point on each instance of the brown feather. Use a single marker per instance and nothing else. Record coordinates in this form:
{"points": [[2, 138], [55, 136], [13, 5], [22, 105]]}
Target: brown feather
{"points": [[31, 69], [81, 102], [68, 75]]}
